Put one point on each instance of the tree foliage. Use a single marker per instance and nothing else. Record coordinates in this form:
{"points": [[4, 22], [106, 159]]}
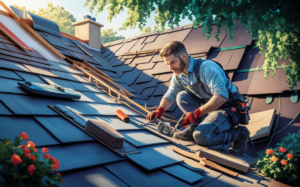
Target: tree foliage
{"points": [[57, 14], [272, 23], [146, 29], [109, 35]]}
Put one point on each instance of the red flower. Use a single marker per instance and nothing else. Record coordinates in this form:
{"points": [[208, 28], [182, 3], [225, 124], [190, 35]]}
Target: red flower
{"points": [[47, 156], [31, 144], [7, 143], [24, 136], [25, 149], [56, 163], [289, 156], [27, 155], [269, 151], [282, 150], [58, 174], [31, 168], [283, 162], [32, 157], [274, 158], [61, 181], [45, 150], [16, 159]]}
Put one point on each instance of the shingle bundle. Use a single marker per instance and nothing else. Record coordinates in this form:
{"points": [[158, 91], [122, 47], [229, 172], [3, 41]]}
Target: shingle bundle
{"points": [[105, 133]]}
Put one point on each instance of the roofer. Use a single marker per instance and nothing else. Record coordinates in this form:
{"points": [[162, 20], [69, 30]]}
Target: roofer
{"points": [[209, 100]]}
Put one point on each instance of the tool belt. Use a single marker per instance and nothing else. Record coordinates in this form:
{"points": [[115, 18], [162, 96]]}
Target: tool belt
{"points": [[238, 108]]}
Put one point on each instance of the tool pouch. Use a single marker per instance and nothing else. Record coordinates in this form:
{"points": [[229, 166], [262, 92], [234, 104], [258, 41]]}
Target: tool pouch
{"points": [[240, 114]]}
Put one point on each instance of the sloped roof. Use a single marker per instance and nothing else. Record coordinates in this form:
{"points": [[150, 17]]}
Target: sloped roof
{"points": [[84, 161]]}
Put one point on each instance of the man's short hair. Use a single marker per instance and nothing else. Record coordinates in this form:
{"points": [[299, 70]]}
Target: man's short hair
{"points": [[175, 48]]}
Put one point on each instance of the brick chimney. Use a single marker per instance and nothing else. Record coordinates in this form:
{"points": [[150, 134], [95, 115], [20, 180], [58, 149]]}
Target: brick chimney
{"points": [[89, 29]]}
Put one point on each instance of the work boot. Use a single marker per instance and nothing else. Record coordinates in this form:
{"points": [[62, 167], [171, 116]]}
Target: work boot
{"points": [[239, 145], [186, 134]]}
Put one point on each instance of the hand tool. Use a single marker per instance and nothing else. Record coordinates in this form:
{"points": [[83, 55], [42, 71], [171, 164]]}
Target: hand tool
{"points": [[178, 125]]}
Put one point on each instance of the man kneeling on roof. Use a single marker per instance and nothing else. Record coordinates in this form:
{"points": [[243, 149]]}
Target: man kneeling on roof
{"points": [[205, 95]]}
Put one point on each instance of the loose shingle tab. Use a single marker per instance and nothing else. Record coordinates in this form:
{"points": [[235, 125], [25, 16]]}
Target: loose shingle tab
{"points": [[142, 138], [97, 176], [63, 130], [87, 154], [155, 157], [12, 126]]}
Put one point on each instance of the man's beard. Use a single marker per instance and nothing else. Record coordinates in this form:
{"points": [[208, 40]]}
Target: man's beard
{"points": [[182, 66]]}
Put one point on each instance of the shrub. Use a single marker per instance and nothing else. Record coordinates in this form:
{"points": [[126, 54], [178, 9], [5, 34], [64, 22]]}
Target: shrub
{"points": [[282, 162], [20, 164]]}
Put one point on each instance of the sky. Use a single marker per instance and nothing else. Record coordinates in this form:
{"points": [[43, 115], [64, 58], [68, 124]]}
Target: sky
{"points": [[76, 8]]}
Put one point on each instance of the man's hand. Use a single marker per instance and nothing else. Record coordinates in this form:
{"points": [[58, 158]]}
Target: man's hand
{"points": [[155, 114], [191, 117]]}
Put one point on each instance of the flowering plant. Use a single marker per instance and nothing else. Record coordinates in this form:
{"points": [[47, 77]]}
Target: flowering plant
{"points": [[282, 163], [20, 165]]}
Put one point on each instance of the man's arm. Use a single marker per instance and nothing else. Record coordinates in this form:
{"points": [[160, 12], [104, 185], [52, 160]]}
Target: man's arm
{"points": [[165, 103], [213, 104]]}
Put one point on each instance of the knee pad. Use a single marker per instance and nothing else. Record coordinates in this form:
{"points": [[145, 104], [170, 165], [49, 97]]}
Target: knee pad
{"points": [[201, 139]]}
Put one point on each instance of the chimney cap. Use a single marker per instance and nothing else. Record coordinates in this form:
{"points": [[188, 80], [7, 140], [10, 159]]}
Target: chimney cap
{"points": [[87, 21]]}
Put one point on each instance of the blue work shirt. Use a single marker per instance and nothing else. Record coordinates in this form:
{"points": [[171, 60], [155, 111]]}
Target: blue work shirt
{"points": [[211, 75]]}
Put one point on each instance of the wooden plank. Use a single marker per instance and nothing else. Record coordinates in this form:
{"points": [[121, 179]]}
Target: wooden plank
{"points": [[238, 163], [208, 163], [260, 124]]}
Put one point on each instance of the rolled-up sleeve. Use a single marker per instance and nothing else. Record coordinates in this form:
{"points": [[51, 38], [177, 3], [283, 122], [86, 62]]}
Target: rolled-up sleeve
{"points": [[173, 90], [212, 77]]}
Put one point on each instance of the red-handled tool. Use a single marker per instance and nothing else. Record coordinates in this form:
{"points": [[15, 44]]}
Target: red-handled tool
{"points": [[122, 116]]}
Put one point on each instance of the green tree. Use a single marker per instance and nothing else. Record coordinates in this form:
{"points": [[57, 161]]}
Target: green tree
{"points": [[57, 14], [273, 23], [146, 29], [109, 35]]}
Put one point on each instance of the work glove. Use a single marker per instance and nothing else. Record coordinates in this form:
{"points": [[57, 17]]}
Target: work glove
{"points": [[155, 114], [191, 117]]}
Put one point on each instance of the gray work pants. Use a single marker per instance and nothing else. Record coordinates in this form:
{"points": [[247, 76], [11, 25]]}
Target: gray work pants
{"points": [[212, 129]]}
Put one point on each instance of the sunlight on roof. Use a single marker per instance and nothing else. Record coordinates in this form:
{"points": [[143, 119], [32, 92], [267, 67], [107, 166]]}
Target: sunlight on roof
{"points": [[100, 180], [92, 88], [79, 78]]}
